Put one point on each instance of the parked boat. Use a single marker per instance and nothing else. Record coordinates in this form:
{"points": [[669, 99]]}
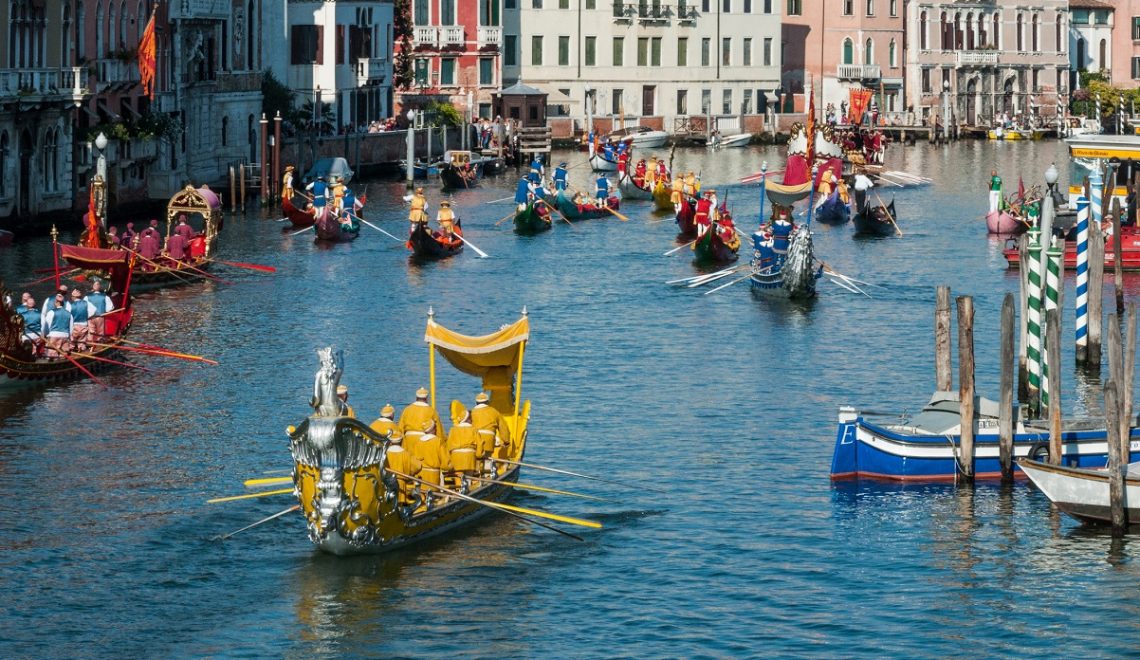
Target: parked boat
{"points": [[574, 211], [426, 245], [1129, 252], [642, 137], [330, 167], [1083, 493], [926, 446], [876, 220], [347, 490], [533, 218], [730, 141], [24, 363], [1015, 133], [791, 275], [331, 230], [460, 170], [833, 210], [710, 248]]}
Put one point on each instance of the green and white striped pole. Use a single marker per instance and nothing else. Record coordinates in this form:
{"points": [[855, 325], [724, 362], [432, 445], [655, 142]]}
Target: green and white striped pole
{"points": [[1053, 258], [1033, 326]]}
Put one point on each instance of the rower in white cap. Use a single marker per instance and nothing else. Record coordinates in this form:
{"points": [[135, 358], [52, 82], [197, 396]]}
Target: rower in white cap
{"points": [[416, 415]]}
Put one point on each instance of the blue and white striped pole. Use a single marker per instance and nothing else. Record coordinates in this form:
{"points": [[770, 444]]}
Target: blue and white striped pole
{"points": [[1082, 278], [1096, 204]]}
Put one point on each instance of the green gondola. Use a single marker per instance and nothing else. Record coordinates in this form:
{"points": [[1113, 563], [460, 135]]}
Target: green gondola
{"points": [[531, 221]]}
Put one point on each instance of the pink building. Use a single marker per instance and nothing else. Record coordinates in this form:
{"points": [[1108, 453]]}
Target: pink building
{"points": [[853, 44], [1125, 62]]}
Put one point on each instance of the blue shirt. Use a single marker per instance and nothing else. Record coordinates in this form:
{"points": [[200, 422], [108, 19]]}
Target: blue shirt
{"points": [[560, 178], [101, 302], [31, 318], [522, 192], [60, 320], [603, 187]]}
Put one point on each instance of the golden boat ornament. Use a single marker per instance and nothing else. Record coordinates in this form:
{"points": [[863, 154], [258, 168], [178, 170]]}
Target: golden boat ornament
{"points": [[349, 497]]}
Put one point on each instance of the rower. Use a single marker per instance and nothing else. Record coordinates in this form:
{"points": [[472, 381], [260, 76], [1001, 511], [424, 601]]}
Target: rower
{"points": [[701, 217], [81, 312], [494, 435], [287, 184], [690, 188], [650, 174], [49, 304], [662, 171], [384, 424], [825, 186], [176, 247], [57, 322], [342, 394], [844, 194], [462, 444], [103, 305], [416, 415], [714, 212], [148, 245], [781, 232], [639, 173], [432, 452], [350, 206], [399, 459], [602, 191], [537, 166], [337, 189], [320, 191], [112, 236], [996, 201], [32, 317], [446, 218], [522, 193], [726, 230], [560, 176], [419, 208], [183, 228], [622, 162], [678, 195], [127, 240]]}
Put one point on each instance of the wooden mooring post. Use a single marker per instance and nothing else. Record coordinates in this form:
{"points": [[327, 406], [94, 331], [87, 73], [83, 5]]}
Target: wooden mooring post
{"points": [[943, 379], [1115, 461], [233, 189], [966, 386], [1096, 297], [1023, 318], [1126, 392], [1053, 352], [241, 185], [1005, 412], [1117, 256]]}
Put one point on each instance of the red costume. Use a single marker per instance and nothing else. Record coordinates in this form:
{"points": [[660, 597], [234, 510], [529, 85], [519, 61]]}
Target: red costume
{"points": [[623, 161], [704, 207]]}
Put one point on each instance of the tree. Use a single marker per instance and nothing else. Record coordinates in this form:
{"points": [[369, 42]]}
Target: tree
{"points": [[275, 96], [402, 75]]}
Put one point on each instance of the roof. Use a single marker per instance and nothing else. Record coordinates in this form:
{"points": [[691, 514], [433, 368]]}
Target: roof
{"points": [[519, 89], [1090, 4]]}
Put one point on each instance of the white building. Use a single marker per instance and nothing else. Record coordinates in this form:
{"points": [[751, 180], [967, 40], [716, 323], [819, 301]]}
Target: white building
{"points": [[339, 53], [654, 58], [1090, 35]]}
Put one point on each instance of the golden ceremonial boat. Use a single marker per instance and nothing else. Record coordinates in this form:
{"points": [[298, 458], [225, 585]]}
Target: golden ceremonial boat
{"points": [[350, 500]]}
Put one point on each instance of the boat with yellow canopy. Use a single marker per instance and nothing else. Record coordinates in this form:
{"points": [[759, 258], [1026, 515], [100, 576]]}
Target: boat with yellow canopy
{"points": [[350, 495]]}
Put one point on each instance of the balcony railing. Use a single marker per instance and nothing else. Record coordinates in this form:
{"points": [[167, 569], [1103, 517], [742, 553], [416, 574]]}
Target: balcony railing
{"points": [[686, 14], [451, 35], [859, 72], [371, 70], [66, 82], [427, 36], [490, 36], [977, 57], [652, 11], [113, 70], [238, 81]]}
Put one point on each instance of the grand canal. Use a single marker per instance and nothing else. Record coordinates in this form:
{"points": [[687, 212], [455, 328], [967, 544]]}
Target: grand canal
{"points": [[726, 401]]}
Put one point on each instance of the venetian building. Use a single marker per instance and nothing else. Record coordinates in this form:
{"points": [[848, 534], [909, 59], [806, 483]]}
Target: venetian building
{"points": [[338, 53], [456, 53], [1124, 44], [654, 62], [1090, 37], [41, 89], [854, 44], [987, 57]]}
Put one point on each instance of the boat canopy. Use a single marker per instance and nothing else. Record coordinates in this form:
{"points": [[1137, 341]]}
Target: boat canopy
{"points": [[114, 262], [480, 356]]}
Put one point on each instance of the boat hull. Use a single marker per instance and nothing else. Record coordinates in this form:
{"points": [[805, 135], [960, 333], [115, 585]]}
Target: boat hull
{"points": [[297, 217], [630, 190], [710, 249], [573, 211], [19, 369], [1082, 493], [530, 221], [600, 164], [452, 179], [687, 221], [733, 141], [425, 246], [1129, 252], [330, 230], [868, 223], [866, 450], [833, 212], [1002, 222]]}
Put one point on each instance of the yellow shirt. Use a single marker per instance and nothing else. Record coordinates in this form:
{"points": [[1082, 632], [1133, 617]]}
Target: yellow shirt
{"points": [[430, 450], [383, 426], [401, 460], [415, 417], [462, 444], [485, 418]]}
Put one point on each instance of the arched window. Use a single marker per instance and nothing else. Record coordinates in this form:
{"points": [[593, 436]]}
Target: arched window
{"points": [[1020, 33], [4, 149], [1081, 53], [957, 34], [1060, 42], [110, 26], [944, 30], [99, 29], [1103, 63], [140, 22], [997, 41], [123, 25], [869, 52], [922, 32], [848, 51], [970, 31], [1033, 35], [225, 130], [893, 54], [80, 31]]}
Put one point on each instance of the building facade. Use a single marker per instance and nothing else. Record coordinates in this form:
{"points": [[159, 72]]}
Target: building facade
{"points": [[990, 57], [853, 44], [1124, 43], [652, 59], [41, 90], [456, 52], [1090, 36], [340, 54]]}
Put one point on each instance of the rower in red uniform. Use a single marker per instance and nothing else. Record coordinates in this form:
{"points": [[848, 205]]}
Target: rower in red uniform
{"points": [[704, 210], [623, 162], [639, 173], [725, 228]]}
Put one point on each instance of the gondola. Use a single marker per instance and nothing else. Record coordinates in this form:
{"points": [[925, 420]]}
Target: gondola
{"points": [[875, 220], [21, 364], [631, 190], [330, 230], [1005, 223], [297, 217], [833, 210], [459, 177], [710, 248], [687, 221], [574, 211], [790, 275], [425, 245], [532, 220], [352, 500]]}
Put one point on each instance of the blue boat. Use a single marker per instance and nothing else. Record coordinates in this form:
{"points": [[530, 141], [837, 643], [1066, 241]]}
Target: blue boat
{"points": [[833, 210], [783, 267], [925, 447]]}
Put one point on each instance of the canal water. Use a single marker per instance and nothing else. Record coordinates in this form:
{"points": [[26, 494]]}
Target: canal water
{"points": [[726, 401]]}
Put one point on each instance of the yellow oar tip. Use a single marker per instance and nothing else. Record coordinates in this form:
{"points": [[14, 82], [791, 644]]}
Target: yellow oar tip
{"points": [[290, 429]]}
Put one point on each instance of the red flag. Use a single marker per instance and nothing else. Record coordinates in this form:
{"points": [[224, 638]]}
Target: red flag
{"points": [[147, 63], [1020, 188], [91, 219], [811, 124]]}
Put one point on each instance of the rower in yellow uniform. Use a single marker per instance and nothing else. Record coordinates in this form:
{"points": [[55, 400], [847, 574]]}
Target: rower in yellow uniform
{"points": [[401, 460], [342, 394], [384, 424], [678, 195], [446, 218], [432, 452], [416, 416], [494, 435], [337, 188], [651, 173], [462, 444], [287, 184], [419, 207]]}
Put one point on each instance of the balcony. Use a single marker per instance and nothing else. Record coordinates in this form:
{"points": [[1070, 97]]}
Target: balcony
{"points": [[686, 15], [490, 36], [36, 84], [624, 13], [371, 70], [451, 35], [859, 72], [976, 57], [653, 12], [113, 71], [426, 37], [238, 81]]}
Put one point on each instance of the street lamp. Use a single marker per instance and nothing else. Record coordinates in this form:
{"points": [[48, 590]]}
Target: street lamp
{"points": [[101, 162], [1051, 175], [411, 148]]}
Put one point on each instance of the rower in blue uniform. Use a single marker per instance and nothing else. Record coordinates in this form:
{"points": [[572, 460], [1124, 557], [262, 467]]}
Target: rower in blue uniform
{"points": [[603, 191], [537, 166], [320, 191], [522, 193], [560, 174], [31, 315]]}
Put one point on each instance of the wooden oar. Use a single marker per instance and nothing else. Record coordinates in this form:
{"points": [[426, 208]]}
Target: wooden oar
{"points": [[158, 265], [471, 245], [681, 247], [884, 207], [496, 201], [250, 496], [160, 353], [267, 481], [84, 370], [540, 489], [400, 240], [553, 208], [180, 268], [576, 474], [617, 215], [109, 361], [492, 505], [158, 350], [263, 520], [240, 264], [506, 217], [702, 276], [725, 286], [52, 276]]}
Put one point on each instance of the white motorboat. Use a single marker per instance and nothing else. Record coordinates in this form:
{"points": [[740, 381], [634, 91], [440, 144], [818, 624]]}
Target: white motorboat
{"points": [[642, 137], [1083, 492], [730, 141]]}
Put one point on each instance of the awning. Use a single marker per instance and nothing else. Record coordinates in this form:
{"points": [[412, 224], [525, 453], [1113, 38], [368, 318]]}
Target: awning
{"points": [[479, 356], [556, 97]]}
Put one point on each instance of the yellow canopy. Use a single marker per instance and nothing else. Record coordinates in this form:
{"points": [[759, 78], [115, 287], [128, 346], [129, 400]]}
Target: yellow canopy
{"points": [[477, 356]]}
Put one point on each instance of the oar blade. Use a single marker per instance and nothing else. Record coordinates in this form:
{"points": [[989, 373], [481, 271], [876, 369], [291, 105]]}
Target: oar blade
{"points": [[250, 496]]}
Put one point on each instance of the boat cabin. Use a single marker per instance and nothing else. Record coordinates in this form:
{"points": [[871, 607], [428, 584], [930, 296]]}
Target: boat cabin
{"points": [[1093, 152]]}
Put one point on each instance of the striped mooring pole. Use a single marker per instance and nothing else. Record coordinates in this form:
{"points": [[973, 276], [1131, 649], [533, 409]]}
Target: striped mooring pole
{"points": [[1033, 350], [1053, 258], [1082, 305], [1096, 204]]}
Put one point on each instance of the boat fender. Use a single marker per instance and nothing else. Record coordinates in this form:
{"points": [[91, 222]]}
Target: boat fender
{"points": [[1038, 451]]}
